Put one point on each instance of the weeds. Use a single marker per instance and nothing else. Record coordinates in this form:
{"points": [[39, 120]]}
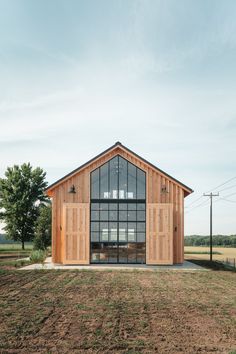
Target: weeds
{"points": [[38, 256]]}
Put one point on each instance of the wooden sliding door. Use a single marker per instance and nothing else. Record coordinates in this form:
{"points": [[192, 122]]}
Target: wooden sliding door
{"points": [[159, 233], [75, 237]]}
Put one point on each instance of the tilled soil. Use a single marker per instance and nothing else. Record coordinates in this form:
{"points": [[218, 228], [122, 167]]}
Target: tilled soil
{"points": [[117, 312]]}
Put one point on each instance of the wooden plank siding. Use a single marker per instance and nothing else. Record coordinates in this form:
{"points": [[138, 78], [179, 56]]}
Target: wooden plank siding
{"points": [[159, 243], [75, 233], [155, 180]]}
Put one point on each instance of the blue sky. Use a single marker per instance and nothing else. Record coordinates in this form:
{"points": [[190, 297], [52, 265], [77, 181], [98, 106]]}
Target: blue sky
{"points": [[159, 76]]}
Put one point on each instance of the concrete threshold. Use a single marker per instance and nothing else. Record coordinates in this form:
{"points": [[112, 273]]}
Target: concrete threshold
{"points": [[186, 266]]}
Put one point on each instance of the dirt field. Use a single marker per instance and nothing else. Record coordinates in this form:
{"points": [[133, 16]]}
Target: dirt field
{"points": [[225, 253], [117, 312]]}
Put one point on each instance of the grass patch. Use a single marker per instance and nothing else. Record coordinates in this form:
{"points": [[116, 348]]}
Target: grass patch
{"points": [[12, 247], [201, 252], [14, 264], [215, 265], [38, 256]]}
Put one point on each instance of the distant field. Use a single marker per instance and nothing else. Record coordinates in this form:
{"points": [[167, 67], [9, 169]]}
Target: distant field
{"points": [[225, 253], [11, 255], [14, 246]]}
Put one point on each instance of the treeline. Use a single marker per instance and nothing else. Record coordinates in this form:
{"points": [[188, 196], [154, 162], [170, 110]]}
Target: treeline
{"points": [[217, 240]]}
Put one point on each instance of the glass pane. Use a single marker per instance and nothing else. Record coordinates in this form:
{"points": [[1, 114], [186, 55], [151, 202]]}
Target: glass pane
{"points": [[131, 252], [103, 206], [95, 252], [122, 215], [113, 215], [113, 252], [113, 231], [132, 225], [122, 178], [141, 237], [141, 252], [123, 253], [114, 178], [132, 206], [123, 206], [103, 215], [141, 215], [95, 236], [95, 184], [131, 232], [94, 226], [122, 231], [94, 206], [131, 181], [104, 194], [104, 253], [131, 215], [141, 184], [113, 206], [95, 215], [141, 206], [114, 224], [104, 231], [141, 226]]}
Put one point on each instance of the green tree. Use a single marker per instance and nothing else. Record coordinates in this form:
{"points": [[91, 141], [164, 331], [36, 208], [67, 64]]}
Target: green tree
{"points": [[21, 192], [42, 237]]}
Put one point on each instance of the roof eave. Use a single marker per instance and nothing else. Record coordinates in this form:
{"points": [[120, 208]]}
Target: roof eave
{"points": [[50, 188]]}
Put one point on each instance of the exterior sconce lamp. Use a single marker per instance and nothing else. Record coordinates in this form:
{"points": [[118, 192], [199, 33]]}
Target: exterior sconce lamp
{"points": [[164, 189], [72, 189]]}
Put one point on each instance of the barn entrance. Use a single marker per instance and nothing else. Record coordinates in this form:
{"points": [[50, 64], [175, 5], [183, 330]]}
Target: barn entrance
{"points": [[118, 213]]}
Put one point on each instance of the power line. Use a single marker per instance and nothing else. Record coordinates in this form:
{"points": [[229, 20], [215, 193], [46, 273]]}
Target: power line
{"points": [[211, 195], [206, 202], [224, 189], [197, 206], [222, 184], [227, 200], [225, 196], [194, 201]]}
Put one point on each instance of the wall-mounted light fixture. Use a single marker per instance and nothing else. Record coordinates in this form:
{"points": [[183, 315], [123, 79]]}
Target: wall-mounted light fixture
{"points": [[72, 189], [164, 189]]}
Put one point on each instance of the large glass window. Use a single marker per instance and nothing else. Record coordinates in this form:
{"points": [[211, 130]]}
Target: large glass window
{"points": [[104, 193], [118, 213], [118, 179]]}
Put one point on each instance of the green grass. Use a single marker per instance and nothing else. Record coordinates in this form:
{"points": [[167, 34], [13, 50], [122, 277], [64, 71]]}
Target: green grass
{"points": [[38, 256], [11, 255], [214, 265], [201, 252], [15, 263], [8, 247]]}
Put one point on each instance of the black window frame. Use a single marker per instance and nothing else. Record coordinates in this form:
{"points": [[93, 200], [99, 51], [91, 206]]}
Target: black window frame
{"points": [[110, 204]]}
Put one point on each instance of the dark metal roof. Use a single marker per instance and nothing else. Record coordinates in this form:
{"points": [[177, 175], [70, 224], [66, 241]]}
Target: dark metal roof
{"points": [[107, 150]]}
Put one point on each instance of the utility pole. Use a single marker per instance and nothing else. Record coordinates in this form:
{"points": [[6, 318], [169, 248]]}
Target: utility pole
{"points": [[211, 195]]}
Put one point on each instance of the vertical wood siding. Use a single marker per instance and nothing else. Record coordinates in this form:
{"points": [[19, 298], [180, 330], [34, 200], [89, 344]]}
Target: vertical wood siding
{"points": [[75, 233], [160, 233], [155, 181]]}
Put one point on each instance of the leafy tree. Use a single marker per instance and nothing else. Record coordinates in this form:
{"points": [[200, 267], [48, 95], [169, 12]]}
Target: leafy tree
{"points": [[218, 240], [42, 237], [21, 192]]}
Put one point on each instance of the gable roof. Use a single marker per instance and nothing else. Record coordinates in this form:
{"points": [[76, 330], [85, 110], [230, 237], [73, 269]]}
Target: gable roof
{"points": [[53, 185]]}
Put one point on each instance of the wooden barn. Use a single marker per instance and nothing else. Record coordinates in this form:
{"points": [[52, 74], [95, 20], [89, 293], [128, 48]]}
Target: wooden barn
{"points": [[118, 208]]}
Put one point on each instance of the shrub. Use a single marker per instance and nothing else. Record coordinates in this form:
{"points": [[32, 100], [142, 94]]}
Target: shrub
{"points": [[38, 256], [42, 238]]}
